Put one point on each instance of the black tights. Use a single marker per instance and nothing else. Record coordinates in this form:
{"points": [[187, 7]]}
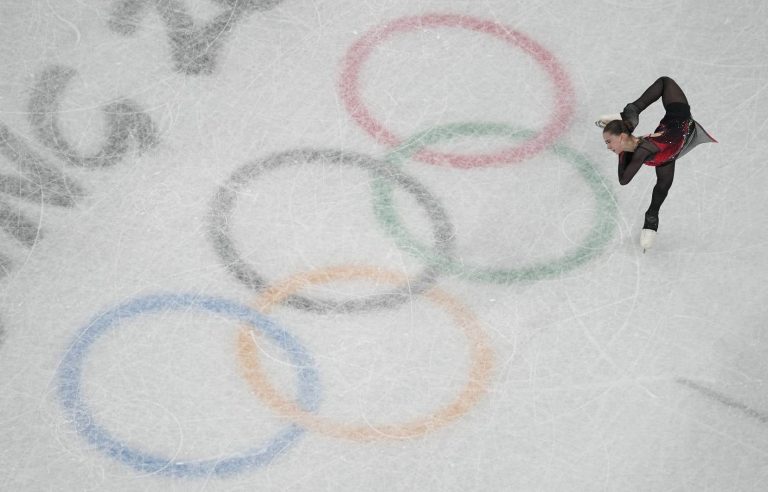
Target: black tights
{"points": [[670, 94], [664, 88], [664, 176]]}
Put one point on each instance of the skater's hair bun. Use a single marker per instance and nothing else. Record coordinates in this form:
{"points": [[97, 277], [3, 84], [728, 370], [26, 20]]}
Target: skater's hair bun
{"points": [[616, 127]]}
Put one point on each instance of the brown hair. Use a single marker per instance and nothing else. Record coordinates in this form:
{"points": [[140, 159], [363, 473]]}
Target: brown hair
{"points": [[616, 127]]}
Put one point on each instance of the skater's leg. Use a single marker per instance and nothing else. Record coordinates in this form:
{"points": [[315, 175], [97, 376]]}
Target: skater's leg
{"points": [[664, 88], [664, 176]]}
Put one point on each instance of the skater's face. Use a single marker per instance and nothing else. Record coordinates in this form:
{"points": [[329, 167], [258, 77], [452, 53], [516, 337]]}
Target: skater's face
{"points": [[615, 143]]}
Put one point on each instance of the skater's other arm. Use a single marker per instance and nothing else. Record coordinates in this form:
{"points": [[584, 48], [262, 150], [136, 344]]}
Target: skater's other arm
{"points": [[630, 163]]}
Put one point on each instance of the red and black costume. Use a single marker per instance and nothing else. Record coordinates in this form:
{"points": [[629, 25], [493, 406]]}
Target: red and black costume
{"points": [[675, 136]]}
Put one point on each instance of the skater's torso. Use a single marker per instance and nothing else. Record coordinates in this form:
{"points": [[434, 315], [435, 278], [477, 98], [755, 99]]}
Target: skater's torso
{"points": [[670, 138], [676, 134]]}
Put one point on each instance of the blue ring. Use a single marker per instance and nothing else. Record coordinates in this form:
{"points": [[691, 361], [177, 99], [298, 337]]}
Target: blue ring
{"points": [[70, 390]]}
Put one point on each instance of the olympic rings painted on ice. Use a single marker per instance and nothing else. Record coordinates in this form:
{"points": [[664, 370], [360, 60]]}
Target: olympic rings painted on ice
{"points": [[592, 245], [71, 392], [361, 50], [481, 365], [225, 199], [439, 258]]}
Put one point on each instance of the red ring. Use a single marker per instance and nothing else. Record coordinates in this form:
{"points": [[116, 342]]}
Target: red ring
{"points": [[362, 48]]}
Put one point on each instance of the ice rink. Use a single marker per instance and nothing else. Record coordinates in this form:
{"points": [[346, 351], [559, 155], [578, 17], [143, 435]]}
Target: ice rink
{"points": [[344, 245]]}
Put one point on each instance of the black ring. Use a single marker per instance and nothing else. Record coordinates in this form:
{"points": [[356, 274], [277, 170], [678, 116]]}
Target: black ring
{"points": [[225, 198]]}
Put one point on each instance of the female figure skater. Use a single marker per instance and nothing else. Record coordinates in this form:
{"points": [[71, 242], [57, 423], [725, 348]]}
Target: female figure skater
{"points": [[675, 136]]}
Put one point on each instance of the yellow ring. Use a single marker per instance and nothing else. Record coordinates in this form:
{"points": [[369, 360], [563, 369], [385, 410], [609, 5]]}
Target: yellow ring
{"points": [[481, 356]]}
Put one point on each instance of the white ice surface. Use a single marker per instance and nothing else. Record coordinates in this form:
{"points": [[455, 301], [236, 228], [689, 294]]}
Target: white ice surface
{"points": [[627, 372]]}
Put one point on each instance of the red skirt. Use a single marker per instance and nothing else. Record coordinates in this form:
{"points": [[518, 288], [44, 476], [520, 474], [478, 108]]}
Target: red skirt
{"points": [[675, 136]]}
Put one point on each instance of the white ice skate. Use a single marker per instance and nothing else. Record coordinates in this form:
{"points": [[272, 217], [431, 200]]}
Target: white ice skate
{"points": [[647, 237], [607, 118]]}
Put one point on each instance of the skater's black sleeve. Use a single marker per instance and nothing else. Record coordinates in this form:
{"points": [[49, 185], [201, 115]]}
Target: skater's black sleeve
{"points": [[631, 162]]}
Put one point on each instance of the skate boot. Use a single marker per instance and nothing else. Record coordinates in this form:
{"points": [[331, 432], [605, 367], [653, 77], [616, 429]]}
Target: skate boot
{"points": [[607, 118], [647, 237], [648, 234]]}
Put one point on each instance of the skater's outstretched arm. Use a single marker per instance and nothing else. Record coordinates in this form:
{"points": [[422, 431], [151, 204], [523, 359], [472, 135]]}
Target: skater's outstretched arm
{"points": [[664, 88]]}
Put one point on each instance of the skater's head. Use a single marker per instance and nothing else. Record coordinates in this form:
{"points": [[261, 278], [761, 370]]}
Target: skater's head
{"points": [[617, 137]]}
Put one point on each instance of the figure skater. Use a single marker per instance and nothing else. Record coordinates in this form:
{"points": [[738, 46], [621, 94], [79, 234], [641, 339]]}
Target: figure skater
{"points": [[675, 136]]}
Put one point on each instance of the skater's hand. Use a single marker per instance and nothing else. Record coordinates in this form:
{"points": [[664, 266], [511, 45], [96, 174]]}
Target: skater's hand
{"points": [[629, 125], [630, 116]]}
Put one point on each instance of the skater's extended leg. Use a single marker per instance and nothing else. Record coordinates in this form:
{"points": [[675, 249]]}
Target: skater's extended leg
{"points": [[664, 88]]}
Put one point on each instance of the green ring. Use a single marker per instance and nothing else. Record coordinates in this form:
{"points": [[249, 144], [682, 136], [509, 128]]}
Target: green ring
{"points": [[593, 244]]}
